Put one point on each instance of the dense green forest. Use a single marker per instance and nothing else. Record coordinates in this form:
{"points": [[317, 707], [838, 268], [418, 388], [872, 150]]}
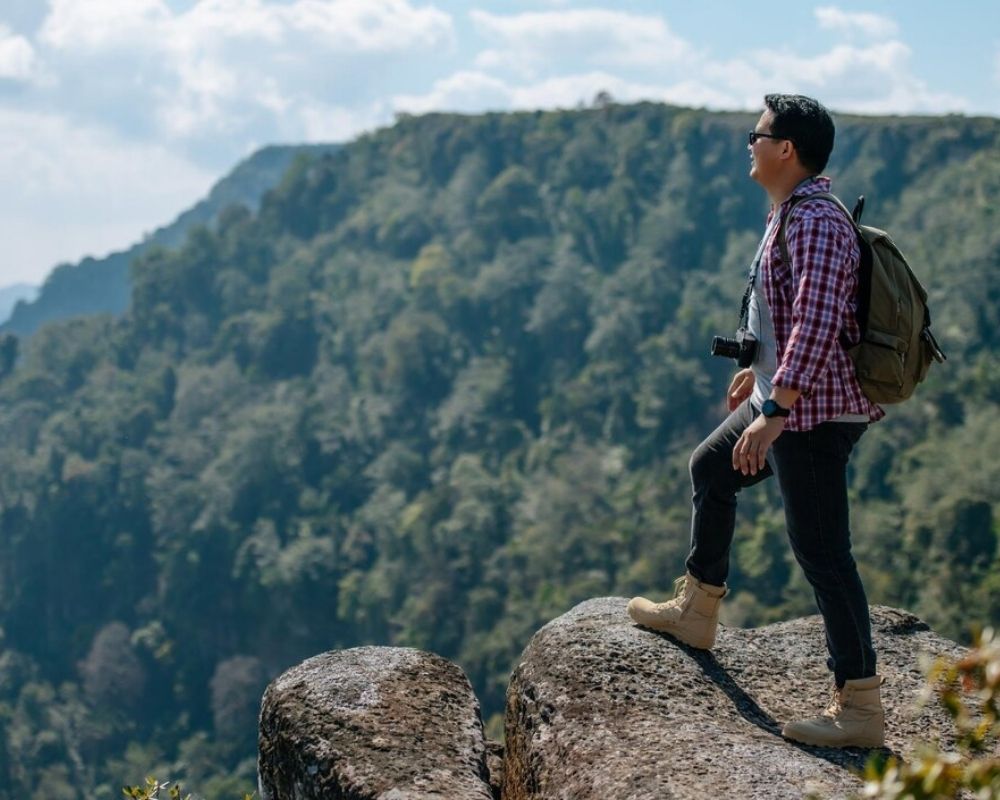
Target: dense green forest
{"points": [[441, 386]]}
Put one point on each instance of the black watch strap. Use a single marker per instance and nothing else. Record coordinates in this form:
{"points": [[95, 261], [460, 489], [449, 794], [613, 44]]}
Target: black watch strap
{"points": [[772, 409]]}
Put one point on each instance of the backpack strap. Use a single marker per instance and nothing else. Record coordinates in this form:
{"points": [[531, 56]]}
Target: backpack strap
{"points": [[831, 198], [864, 262]]}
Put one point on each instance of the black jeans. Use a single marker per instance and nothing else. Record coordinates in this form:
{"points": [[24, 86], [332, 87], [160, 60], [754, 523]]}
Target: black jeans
{"points": [[811, 467]]}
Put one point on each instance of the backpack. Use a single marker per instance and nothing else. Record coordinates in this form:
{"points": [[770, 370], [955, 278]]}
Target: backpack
{"points": [[896, 346]]}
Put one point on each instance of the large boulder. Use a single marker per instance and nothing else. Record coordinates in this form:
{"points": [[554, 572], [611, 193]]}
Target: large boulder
{"points": [[372, 723], [600, 708]]}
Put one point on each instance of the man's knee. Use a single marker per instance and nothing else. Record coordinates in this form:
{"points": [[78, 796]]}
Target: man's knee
{"points": [[700, 466], [711, 469], [818, 560]]}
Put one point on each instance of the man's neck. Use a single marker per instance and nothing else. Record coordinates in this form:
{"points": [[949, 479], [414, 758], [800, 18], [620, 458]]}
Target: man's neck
{"points": [[783, 187]]}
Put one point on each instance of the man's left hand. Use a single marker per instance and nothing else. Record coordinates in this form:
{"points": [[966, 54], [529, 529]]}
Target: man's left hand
{"points": [[750, 451]]}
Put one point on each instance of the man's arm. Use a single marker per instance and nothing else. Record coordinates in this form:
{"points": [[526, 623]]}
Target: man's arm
{"points": [[823, 249], [824, 252]]}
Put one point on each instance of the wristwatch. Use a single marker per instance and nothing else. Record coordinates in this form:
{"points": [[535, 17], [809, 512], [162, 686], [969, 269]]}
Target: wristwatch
{"points": [[771, 409]]}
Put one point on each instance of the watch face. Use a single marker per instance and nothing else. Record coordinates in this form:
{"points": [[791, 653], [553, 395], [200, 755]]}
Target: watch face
{"points": [[772, 409]]}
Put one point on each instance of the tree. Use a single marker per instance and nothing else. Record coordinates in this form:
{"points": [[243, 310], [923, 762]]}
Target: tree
{"points": [[113, 677], [236, 688], [8, 354]]}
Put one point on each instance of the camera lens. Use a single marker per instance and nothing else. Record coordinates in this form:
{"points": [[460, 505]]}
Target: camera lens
{"points": [[725, 347]]}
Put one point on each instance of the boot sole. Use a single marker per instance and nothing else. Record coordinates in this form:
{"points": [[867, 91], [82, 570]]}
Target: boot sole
{"points": [[698, 644], [867, 745]]}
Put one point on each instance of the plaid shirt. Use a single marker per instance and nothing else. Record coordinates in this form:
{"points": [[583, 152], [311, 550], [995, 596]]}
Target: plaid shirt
{"points": [[812, 300]]}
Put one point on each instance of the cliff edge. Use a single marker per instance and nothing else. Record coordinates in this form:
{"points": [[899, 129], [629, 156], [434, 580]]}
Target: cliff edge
{"points": [[597, 709]]}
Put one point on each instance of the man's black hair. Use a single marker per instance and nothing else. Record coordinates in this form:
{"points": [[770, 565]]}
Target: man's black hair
{"points": [[807, 123]]}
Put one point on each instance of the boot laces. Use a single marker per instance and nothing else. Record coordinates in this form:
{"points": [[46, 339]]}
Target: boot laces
{"points": [[680, 585], [836, 705]]}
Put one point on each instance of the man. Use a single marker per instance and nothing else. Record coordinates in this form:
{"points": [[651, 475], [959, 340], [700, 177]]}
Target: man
{"points": [[796, 412]]}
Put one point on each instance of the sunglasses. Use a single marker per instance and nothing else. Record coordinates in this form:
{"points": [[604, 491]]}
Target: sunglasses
{"points": [[753, 136]]}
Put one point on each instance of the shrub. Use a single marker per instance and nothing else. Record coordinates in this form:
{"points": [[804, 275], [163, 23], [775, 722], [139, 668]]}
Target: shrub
{"points": [[969, 690]]}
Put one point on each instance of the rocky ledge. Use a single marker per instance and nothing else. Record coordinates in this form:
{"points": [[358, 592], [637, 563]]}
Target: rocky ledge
{"points": [[597, 708], [372, 722]]}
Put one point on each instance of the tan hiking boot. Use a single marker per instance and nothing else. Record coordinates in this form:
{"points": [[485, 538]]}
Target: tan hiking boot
{"points": [[692, 616], [854, 718]]}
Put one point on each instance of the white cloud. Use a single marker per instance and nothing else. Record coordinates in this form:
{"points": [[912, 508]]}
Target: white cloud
{"points": [[569, 90], [102, 23], [526, 43], [472, 91], [223, 67], [352, 25], [377, 26], [467, 90], [873, 79], [638, 57], [382, 26], [323, 122], [867, 24], [17, 56], [136, 106], [867, 68], [82, 190]]}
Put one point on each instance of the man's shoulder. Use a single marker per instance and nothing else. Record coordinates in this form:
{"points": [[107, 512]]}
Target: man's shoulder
{"points": [[814, 211]]}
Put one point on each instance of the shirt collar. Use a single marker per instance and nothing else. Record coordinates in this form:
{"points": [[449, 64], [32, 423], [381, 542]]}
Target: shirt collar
{"points": [[811, 185]]}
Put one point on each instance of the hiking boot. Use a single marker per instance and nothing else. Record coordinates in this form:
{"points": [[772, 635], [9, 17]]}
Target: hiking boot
{"points": [[692, 616], [853, 719]]}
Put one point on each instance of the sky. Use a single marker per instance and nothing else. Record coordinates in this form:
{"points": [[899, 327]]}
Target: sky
{"points": [[116, 115]]}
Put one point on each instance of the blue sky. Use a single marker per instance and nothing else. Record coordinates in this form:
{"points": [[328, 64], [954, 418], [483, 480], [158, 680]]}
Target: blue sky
{"points": [[115, 115]]}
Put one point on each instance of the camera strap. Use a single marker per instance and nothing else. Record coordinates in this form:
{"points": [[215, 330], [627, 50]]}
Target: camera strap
{"points": [[745, 302], [754, 267]]}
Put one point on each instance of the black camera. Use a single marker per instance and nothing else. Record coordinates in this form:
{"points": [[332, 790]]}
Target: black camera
{"points": [[743, 348]]}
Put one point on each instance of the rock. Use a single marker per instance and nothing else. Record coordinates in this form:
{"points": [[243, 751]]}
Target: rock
{"points": [[494, 762], [600, 708], [372, 723]]}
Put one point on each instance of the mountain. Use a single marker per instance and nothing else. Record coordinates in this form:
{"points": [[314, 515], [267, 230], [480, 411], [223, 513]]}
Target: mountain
{"points": [[101, 285], [10, 295], [441, 386]]}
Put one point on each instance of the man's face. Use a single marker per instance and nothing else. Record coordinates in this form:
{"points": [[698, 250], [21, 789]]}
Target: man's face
{"points": [[764, 153]]}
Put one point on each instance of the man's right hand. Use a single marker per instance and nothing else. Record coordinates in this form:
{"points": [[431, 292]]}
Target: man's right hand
{"points": [[740, 389]]}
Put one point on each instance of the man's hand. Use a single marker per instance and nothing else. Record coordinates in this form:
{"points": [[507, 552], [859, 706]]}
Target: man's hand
{"points": [[751, 448], [740, 389]]}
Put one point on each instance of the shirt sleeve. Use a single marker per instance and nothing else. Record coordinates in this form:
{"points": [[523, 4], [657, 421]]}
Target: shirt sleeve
{"points": [[822, 249]]}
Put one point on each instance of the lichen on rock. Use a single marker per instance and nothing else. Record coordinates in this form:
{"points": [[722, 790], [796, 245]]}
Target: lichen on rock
{"points": [[600, 708], [372, 723]]}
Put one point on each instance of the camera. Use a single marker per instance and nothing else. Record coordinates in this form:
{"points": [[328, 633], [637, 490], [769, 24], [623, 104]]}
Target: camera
{"points": [[743, 348]]}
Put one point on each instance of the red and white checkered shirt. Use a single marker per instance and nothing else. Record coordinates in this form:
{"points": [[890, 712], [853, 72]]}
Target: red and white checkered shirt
{"points": [[812, 300]]}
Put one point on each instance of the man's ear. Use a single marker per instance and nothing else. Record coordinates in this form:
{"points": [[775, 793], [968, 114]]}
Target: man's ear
{"points": [[787, 149]]}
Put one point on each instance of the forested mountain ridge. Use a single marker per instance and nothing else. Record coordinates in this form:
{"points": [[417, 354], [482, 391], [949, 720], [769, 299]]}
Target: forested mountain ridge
{"points": [[10, 295], [99, 285], [440, 387]]}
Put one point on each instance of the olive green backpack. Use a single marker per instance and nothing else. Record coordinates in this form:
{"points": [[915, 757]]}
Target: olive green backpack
{"points": [[897, 346]]}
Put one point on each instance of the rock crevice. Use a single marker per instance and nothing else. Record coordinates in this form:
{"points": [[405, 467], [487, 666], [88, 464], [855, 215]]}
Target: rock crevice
{"points": [[597, 708]]}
